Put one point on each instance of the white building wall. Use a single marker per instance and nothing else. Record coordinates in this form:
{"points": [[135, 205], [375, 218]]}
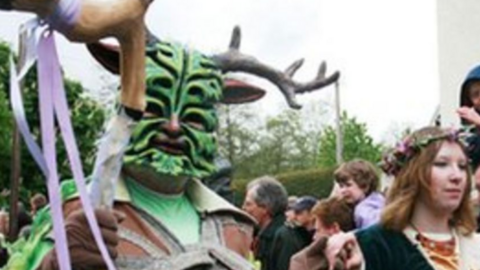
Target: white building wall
{"points": [[458, 49]]}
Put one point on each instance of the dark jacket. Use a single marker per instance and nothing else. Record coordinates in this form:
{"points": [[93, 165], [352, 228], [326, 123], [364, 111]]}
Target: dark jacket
{"points": [[387, 249], [289, 239], [264, 242]]}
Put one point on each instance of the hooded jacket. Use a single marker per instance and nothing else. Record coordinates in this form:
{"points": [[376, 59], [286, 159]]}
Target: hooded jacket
{"points": [[473, 75]]}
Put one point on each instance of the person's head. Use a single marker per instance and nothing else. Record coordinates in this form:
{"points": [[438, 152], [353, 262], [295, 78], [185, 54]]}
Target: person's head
{"points": [[290, 213], [332, 216], [302, 209], [470, 89], [431, 170], [265, 199], [4, 222], [356, 180], [37, 202], [176, 136]]}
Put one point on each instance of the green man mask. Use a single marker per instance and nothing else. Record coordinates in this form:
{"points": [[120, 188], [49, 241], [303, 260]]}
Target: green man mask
{"points": [[176, 136]]}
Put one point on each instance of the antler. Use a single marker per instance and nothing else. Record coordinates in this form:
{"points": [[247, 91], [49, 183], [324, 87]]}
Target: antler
{"points": [[234, 60]]}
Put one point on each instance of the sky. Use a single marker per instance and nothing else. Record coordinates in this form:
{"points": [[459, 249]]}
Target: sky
{"points": [[386, 51]]}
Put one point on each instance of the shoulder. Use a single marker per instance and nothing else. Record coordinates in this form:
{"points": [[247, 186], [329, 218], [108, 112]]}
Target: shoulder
{"points": [[206, 201], [376, 236], [299, 261], [236, 229], [375, 200], [469, 248]]}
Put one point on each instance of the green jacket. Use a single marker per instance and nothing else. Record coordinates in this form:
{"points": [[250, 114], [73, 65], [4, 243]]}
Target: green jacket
{"points": [[385, 249]]}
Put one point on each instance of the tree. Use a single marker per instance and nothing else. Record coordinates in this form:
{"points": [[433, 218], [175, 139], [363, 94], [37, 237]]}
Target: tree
{"points": [[87, 120], [356, 143], [237, 133], [281, 143]]}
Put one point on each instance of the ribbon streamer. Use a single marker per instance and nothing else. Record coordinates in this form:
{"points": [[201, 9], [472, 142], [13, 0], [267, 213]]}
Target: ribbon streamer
{"points": [[53, 102], [45, 69]]}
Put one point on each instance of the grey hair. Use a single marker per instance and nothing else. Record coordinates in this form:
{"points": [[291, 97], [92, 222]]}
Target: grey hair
{"points": [[269, 193]]}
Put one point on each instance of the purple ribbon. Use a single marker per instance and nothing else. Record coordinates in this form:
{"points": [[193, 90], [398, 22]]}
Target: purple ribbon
{"points": [[21, 120], [65, 15], [53, 102], [46, 78]]}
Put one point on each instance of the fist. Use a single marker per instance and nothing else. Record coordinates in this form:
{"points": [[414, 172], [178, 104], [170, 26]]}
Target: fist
{"points": [[83, 249]]}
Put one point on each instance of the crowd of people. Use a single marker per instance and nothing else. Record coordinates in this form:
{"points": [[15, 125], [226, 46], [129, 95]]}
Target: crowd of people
{"points": [[424, 220], [24, 220], [290, 227]]}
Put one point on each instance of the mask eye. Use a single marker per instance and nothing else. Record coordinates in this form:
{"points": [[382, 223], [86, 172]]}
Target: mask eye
{"points": [[153, 111], [195, 121]]}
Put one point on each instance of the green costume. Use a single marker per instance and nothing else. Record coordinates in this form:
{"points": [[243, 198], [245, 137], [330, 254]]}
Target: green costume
{"points": [[177, 212], [175, 138]]}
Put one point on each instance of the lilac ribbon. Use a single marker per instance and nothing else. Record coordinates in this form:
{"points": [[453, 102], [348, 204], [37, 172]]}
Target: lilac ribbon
{"points": [[46, 78], [65, 15], [47, 53], [53, 102], [21, 120]]}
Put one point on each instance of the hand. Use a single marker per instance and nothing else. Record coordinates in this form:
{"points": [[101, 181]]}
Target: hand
{"points": [[345, 246], [469, 114], [84, 252]]}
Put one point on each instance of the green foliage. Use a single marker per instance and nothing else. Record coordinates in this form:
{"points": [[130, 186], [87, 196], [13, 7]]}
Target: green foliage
{"points": [[315, 182], [282, 144], [356, 143], [236, 140], [87, 120], [5, 140]]}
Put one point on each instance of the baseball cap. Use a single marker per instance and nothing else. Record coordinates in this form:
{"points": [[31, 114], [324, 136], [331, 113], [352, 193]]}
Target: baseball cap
{"points": [[304, 203]]}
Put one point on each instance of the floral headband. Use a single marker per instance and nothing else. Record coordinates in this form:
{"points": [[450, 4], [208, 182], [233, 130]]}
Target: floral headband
{"points": [[394, 160]]}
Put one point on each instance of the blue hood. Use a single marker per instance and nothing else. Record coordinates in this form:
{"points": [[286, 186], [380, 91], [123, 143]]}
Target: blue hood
{"points": [[473, 75]]}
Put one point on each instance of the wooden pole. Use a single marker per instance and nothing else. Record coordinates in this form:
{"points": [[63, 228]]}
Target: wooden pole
{"points": [[16, 163], [14, 184], [338, 121]]}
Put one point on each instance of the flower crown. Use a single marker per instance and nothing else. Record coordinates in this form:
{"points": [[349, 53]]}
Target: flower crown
{"points": [[394, 160]]}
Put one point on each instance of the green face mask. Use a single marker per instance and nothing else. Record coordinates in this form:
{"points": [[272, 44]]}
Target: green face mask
{"points": [[176, 136]]}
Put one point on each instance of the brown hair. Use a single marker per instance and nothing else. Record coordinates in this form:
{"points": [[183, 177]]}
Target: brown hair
{"points": [[413, 178], [334, 210], [360, 171], [38, 201]]}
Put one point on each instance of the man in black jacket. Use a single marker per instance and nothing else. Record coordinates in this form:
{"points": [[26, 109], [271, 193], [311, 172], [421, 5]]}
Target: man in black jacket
{"points": [[266, 200], [294, 236]]}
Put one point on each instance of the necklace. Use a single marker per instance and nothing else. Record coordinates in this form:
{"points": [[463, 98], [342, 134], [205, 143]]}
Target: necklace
{"points": [[444, 248]]}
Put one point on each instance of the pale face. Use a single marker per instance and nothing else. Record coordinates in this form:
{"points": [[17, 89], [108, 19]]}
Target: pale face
{"points": [[305, 219], [290, 215], [474, 94], [351, 192], [448, 179], [323, 230], [252, 208]]}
